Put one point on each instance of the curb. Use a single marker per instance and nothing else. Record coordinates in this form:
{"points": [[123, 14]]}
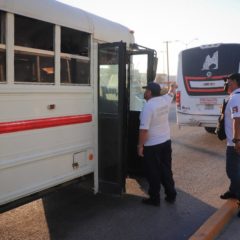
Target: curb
{"points": [[215, 224]]}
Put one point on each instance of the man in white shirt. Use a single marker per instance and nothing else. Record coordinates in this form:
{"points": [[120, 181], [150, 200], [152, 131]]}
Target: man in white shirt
{"points": [[232, 130], [155, 145]]}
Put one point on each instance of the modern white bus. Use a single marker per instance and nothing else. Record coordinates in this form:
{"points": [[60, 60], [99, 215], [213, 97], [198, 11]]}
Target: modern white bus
{"points": [[70, 97], [201, 71]]}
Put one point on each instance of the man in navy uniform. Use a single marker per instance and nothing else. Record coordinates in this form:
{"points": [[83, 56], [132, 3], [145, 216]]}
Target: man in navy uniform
{"points": [[155, 144], [232, 130]]}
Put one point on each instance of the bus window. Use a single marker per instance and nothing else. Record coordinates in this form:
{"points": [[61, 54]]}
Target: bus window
{"points": [[25, 68], [75, 63], [75, 71], [2, 48], [74, 42], [34, 56], [32, 68], [108, 75], [33, 33], [138, 80]]}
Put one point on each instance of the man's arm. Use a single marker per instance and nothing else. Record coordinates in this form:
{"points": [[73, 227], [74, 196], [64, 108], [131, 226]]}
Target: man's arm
{"points": [[236, 133], [143, 135], [172, 89]]}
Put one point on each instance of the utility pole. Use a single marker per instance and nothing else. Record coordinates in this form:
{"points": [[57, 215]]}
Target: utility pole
{"points": [[167, 63]]}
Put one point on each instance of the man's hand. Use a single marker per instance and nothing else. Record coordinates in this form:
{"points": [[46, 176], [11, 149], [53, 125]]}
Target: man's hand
{"points": [[140, 150], [143, 135], [236, 133], [237, 147], [172, 88]]}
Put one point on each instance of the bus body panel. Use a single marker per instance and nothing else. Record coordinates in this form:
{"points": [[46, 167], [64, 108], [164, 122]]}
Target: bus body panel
{"points": [[200, 78], [44, 156]]}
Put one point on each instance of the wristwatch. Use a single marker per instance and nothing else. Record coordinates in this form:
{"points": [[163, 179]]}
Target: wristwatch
{"points": [[235, 140]]}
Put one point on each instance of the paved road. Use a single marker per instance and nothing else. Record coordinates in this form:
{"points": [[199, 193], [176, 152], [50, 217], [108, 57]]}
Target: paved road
{"points": [[75, 213]]}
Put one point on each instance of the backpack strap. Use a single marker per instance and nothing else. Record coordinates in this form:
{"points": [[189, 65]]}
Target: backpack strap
{"points": [[224, 106]]}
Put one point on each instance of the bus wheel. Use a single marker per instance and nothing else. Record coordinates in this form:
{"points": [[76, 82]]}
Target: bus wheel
{"points": [[210, 130]]}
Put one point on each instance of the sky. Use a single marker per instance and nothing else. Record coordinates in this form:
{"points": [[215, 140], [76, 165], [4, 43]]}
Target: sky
{"points": [[182, 23]]}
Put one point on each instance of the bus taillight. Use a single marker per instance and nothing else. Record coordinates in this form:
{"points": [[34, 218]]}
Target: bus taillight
{"points": [[178, 99]]}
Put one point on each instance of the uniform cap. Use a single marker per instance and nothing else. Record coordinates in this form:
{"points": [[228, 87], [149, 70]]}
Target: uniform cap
{"points": [[154, 88], [233, 76]]}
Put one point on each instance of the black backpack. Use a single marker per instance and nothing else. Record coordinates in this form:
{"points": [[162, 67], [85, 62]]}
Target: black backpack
{"points": [[220, 129]]}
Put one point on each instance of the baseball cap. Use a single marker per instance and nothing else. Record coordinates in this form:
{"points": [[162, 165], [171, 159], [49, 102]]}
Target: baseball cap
{"points": [[233, 76], [154, 88]]}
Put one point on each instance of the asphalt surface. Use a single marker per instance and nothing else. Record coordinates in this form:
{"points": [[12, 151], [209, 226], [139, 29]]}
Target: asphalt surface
{"points": [[88, 217]]}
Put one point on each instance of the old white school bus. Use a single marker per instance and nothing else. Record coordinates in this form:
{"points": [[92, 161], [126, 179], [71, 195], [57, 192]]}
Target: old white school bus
{"points": [[70, 97]]}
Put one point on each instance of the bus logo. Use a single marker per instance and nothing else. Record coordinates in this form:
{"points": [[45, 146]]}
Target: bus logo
{"points": [[211, 62]]}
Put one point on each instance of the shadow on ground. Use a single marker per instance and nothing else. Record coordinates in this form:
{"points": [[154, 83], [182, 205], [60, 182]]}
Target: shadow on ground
{"points": [[97, 217]]}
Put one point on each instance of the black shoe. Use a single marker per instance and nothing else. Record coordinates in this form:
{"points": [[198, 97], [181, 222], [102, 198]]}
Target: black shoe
{"points": [[170, 199], [150, 201], [228, 195]]}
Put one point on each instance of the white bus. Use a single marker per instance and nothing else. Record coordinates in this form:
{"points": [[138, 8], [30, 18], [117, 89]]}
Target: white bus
{"points": [[70, 96], [200, 83]]}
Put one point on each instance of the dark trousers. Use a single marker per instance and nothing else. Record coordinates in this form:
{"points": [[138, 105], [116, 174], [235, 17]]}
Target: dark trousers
{"points": [[233, 170], [158, 169]]}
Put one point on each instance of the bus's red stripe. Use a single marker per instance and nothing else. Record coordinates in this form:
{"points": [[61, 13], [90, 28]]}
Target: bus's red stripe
{"points": [[187, 79], [23, 125]]}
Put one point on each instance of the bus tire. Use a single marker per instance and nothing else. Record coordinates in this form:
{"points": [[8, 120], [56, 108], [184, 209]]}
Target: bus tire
{"points": [[210, 130]]}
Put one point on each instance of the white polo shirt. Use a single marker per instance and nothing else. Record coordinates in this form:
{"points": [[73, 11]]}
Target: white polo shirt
{"points": [[232, 110], [154, 118]]}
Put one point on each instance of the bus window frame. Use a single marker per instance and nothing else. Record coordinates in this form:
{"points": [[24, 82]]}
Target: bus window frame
{"points": [[67, 56], [70, 56], [3, 77], [3, 71]]}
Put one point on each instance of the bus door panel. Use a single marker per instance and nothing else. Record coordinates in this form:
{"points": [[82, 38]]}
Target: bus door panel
{"points": [[142, 69], [111, 117]]}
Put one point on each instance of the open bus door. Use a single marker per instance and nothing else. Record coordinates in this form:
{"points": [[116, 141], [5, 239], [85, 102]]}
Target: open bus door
{"points": [[120, 100], [111, 116]]}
